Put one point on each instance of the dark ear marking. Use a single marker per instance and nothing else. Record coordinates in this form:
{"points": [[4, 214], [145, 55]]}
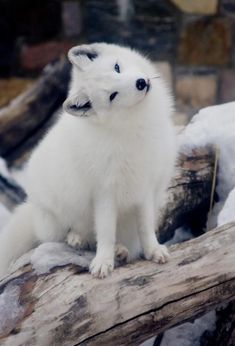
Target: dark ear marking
{"points": [[72, 106], [90, 55], [84, 107]]}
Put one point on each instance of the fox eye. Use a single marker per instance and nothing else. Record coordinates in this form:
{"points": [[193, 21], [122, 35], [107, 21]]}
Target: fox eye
{"points": [[112, 96], [117, 68]]}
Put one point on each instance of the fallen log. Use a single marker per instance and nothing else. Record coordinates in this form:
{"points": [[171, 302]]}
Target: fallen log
{"points": [[190, 193], [66, 306], [22, 119], [224, 333]]}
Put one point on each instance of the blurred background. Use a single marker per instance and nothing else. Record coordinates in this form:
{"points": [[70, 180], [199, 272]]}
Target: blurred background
{"points": [[192, 42]]}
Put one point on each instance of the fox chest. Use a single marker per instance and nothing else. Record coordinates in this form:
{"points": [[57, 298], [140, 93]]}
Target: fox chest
{"points": [[127, 177]]}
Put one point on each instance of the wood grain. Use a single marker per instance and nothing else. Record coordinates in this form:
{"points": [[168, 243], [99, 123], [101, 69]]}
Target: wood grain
{"points": [[69, 307]]}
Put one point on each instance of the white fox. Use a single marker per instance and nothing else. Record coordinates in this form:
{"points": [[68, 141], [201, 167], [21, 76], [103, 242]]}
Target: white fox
{"points": [[100, 174]]}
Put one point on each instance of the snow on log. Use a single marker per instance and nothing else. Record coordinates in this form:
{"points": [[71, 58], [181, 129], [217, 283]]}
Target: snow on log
{"points": [[25, 115], [66, 306]]}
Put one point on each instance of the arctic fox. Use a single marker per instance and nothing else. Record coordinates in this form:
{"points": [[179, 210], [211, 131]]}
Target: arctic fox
{"points": [[100, 174]]}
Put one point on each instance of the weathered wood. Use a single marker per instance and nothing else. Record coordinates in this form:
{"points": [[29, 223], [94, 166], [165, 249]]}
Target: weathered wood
{"points": [[224, 333], [30, 111], [190, 192], [65, 307]]}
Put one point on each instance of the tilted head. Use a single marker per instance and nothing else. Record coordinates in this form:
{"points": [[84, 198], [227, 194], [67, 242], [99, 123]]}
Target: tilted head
{"points": [[108, 80]]}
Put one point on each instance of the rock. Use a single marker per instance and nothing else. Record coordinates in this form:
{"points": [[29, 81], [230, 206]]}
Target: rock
{"points": [[205, 42], [72, 18], [227, 7], [194, 92], [197, 7], [227, 88]]}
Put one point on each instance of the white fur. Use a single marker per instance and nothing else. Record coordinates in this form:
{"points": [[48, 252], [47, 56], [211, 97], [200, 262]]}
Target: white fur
{"points": [[103, 173]]}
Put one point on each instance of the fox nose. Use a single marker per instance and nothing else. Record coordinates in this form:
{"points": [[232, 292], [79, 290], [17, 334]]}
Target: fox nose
{"points": [[141, 84]]}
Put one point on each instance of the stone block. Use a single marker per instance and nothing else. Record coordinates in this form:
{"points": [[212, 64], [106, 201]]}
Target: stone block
{"points": [[194, 92], [156, 36], [207, 7], [206, 41], [180, 120], [35, 57], [227, 7], [153, 8], [227, 87], [72, 18]]}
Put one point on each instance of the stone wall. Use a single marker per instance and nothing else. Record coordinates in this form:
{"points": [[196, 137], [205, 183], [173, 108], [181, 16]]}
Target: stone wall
{"points": [[191, 41]]}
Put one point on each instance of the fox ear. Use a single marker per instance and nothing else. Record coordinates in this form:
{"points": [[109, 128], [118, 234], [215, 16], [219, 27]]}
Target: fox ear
{"points": [[83, 55], [78, 106]]}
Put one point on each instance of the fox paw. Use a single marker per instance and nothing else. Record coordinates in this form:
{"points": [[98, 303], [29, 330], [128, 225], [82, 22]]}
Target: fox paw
{"points": [[160, 254], [121, 253], [101, 267], [75, 241]]}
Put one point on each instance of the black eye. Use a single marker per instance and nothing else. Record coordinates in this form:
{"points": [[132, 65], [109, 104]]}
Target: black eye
{"points": [[117, 68], [112, 96]]}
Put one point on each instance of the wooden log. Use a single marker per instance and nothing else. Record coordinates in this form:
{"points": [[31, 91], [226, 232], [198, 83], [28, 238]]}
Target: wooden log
{"points": [[67, 306], [224, 333], [189, 196], [29, 112]]}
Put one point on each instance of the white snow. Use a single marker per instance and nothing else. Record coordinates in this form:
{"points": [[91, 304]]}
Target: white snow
{"points": [[227, 214], [53, 254], [10, 309], [181, 234], [216, 126], [189, 334], [49, 255]]}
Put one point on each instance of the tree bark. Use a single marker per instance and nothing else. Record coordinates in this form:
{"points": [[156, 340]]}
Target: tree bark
{"points": [[24, 118], [190, 193], [68, 307], [224, 333]]}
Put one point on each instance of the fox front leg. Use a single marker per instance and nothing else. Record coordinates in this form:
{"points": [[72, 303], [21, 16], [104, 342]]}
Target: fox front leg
{"points": [[105, 227]]}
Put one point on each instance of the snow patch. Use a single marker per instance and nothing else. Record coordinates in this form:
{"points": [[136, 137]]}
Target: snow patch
{"points": [[215, 126], [227, 214], [181, 234], [49, 255], [189, 334], [10, 309]]}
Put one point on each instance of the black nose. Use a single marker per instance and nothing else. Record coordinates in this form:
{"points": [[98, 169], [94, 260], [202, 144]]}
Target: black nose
{"points": [[141, 84]]}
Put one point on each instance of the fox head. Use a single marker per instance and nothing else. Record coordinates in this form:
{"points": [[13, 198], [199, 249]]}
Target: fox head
{"points": [[108, 80]]}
